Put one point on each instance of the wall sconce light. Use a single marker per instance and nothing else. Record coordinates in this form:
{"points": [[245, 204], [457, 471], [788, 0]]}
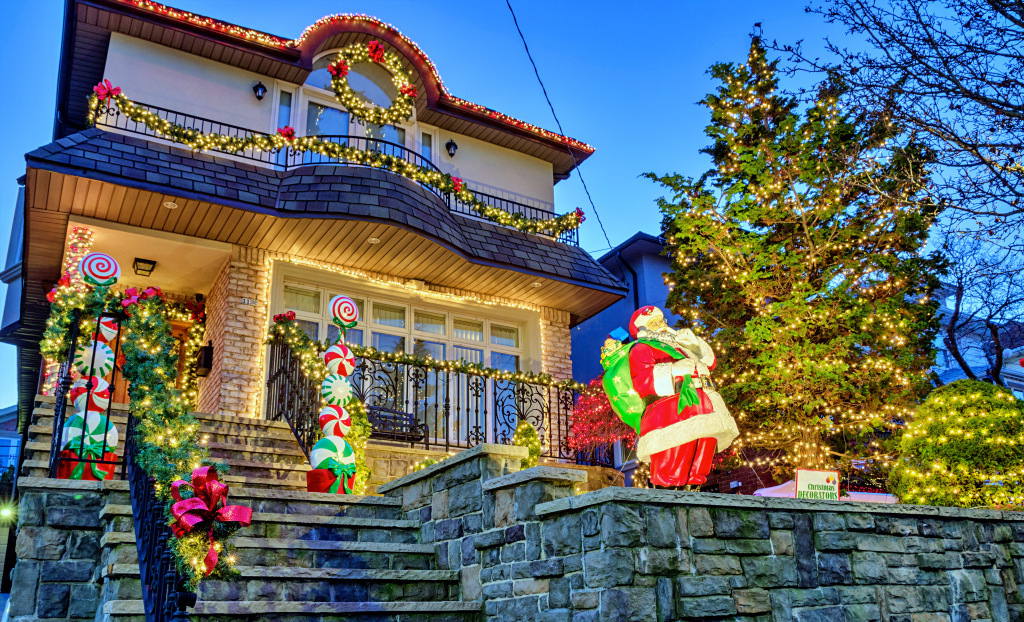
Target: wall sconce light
{"points": [[143, 267], [451, 147], [260, 91], [204, 360]]}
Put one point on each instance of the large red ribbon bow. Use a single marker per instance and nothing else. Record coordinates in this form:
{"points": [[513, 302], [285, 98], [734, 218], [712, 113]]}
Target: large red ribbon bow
{"points": [[204, 510], [105, 90]]}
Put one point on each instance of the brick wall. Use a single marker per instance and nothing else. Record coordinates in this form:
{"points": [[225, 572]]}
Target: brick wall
{"points": [[209, 387], [556, 341]]}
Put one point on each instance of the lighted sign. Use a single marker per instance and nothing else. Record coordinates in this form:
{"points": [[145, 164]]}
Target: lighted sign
{"points": [[813, 484]]}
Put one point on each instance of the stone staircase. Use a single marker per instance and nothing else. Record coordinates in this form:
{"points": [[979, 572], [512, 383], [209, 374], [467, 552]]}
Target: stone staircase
{"points": [[306, 557]]}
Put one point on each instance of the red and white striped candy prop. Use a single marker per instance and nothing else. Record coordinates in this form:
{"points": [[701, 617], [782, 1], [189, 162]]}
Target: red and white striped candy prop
{"points": [[99, 269], [335, 421], [336, 390], [99, 399], [344, 311], [95, 359], [340, 360], [106, 329]]}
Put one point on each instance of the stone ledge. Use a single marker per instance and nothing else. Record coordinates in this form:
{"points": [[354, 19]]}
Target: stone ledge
{"points": [[257, 607], [314, 574], [557, 475], [745, 502], [463, 456], [44, 484]]}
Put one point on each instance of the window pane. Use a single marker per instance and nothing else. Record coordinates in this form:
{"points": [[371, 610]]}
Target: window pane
{"points": [[387, 315], [284, 110], [505, 336], [429, 322], [389, 343], [311, 328], [433, 349], [301, 299], [427, 146], [468, 330], [325, 120], [470, 355], [353, 336], [504, 362]]}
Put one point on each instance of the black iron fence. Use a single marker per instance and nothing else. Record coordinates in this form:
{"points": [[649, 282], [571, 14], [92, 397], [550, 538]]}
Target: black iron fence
{"points": [[90, 452], [112, 117], [425, 406]]}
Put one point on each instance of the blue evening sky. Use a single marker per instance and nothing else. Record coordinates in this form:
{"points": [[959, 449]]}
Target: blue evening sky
{"points": [[624, 77]]}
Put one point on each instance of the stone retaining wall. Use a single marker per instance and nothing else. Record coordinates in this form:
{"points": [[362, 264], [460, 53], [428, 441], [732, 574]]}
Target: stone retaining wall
{"points": [[532, 550]]}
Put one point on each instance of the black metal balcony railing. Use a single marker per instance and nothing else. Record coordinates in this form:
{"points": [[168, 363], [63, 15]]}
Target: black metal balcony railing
{"points": [[424, 406], [163, 587], [112, 117]]}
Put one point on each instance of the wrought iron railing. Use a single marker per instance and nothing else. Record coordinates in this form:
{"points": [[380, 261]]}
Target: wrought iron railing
{"points": [[163, 587], [425, 406], [112, 117]]}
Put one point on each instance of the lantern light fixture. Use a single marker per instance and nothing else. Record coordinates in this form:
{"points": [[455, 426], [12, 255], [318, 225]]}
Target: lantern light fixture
{"points": [[451, 147], [260, 91], [143, 267]]}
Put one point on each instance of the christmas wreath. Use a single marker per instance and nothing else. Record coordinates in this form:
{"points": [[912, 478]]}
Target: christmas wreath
{"points": [[372, 52]]}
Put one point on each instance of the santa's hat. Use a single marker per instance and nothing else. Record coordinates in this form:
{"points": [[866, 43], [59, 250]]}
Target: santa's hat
{"points": [[641, 317]]}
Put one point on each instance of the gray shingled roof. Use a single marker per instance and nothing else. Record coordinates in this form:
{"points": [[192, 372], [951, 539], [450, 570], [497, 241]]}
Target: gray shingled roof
{"points": [[319, 191]]}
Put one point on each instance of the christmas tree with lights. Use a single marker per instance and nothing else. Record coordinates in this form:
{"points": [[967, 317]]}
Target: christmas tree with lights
{"points": [[799, 258], [595, 426]]}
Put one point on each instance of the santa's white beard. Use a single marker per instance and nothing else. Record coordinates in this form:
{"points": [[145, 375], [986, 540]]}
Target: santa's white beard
{"points": [[666, 336]]}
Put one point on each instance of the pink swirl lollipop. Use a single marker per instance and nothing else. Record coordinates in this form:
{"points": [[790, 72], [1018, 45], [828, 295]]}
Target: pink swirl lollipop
{"points": [[345, 311], [335, 421], [340, 360], [99, 269]]}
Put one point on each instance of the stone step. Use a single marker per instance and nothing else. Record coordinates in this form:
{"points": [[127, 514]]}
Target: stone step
{"points": [[409, 611], [44, 405], [220, 451], [261, 583], [242, 473], [208, 424], [296, 526]]}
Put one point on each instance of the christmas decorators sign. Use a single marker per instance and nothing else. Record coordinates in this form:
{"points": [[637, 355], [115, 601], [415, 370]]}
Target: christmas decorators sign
{"points": [[813, 484]]}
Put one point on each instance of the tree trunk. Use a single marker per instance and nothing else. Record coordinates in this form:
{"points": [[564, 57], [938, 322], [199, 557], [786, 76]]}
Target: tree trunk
{"points": [[997, 367]]}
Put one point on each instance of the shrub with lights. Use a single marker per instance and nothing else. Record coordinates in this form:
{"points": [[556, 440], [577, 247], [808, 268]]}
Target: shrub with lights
{"points": [[526, 436], [963, 447]]}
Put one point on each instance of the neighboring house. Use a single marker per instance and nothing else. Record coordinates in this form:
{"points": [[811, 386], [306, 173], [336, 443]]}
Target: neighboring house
{"points": [[258, 233]]}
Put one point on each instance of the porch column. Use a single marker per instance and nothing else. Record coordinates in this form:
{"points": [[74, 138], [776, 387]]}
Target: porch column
{"points": [[556, 343], [235, 323]]}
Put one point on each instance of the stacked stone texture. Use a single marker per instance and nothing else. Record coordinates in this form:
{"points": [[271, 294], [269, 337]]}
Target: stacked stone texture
{"points": [[532, 551]]}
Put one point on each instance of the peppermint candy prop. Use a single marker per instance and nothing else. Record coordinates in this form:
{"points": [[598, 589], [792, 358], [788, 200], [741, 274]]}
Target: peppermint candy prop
{"points": [[336, 390], [334, 466], [98, 400], [86, 440], [335, 421], [106, 330], [93, 426], [95, 359], [339, 360], [99, 269], [344, 311]]}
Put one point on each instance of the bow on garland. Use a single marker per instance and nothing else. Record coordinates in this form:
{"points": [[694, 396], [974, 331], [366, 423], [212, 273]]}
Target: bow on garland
{"points": [[342, 472], [204, 510]]}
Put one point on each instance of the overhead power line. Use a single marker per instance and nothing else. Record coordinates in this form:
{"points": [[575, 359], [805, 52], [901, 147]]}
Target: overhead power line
{"points": [[575, 164]]}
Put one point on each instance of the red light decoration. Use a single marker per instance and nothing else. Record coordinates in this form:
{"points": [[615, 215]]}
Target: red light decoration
{"points": [[594, 423], [262, 38]]}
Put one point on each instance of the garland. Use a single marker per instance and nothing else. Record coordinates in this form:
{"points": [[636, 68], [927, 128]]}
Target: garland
{"points": [[285, 330], [372, 52], [286, 138], [167, 435]]}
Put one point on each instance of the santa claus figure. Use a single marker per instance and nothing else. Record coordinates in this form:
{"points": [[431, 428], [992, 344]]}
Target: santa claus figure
{"points": [[684, 419]]}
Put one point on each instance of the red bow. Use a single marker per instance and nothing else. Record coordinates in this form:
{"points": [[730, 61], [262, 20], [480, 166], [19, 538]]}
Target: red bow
{"points": [[289, 315], [579, 214], [207, 508], [338, 69], [409, 90], [457, 184], [288, 132], [105, 90], [376, 51]]}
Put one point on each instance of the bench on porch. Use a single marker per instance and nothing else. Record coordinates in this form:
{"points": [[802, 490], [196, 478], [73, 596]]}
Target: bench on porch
{"points": [[395, 425]]}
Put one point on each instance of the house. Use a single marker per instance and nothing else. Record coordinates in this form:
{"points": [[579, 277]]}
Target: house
{"points": [[436, 216]]}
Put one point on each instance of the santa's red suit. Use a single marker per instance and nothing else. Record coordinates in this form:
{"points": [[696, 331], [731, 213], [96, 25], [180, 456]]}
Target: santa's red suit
{"points": [[678, 442]]}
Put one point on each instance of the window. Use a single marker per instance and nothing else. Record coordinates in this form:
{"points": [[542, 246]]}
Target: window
{"points": [[427, 146], [413, 329], [325, 120]]}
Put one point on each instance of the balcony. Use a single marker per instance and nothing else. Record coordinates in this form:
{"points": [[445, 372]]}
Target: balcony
{"points": [[111, 118]]}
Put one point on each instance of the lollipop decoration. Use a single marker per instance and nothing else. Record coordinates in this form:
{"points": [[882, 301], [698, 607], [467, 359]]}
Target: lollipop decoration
{"points": [[339, 360], [99, 269], [345, 311], [335, 421]]}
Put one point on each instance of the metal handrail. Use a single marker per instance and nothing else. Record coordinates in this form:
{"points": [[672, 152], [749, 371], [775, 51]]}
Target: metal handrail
{"points": [[288, 159]]}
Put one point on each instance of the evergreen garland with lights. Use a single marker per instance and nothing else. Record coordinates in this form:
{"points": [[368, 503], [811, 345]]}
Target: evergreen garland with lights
{"points": [[800, 259], [373, 52], [963, 447], [285, 138]]}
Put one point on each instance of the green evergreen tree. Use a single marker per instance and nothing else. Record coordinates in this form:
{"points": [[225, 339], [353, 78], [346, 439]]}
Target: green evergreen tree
{"points": [[799, 257]]}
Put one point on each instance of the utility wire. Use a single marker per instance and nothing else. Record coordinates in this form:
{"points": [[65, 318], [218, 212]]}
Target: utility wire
{"points": [[575, 164]]}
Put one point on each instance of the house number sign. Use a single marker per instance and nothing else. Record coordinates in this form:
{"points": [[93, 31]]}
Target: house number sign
{"points": [[249, 301]]}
